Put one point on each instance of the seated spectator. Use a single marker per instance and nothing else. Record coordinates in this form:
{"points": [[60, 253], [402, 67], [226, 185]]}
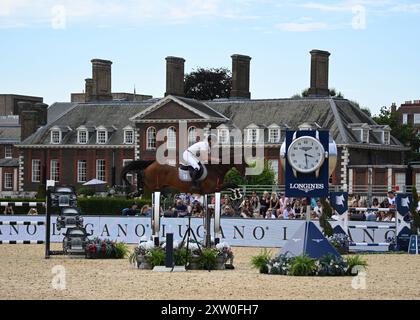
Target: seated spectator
{"points": [[255, 204], [146, 211], [375, 203], [180, 209], [269, 214], [264, 203], [246, 209], [274, 203], [288, 213], [283, 202], [356, 202], [385, 203], [197, 209], [389, 217], [297, 208], [130, 211], [32, 212], [228, 212]]}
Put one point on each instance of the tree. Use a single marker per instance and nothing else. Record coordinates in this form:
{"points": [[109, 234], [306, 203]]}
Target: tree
{"points": [[414, 213], [208, 84], [405, 133], [267, 177], [234, 176]]}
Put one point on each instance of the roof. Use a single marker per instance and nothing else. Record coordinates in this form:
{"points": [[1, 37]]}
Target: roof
{"points": [[109, 114], [58, 109], [334, 114], [9, 134]]}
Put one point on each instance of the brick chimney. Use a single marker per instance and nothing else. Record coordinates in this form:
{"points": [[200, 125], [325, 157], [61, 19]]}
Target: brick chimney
{"points": [[28, 123], [101, 74], [88, 90], [240, 76], [42, 111], [175, 76], [319, 73], [394, 107]]}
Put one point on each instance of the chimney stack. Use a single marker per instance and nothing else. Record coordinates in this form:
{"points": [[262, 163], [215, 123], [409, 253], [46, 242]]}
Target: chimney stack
{"points": [[101, 74], [240, 76], [319, 73], [28, 123], [175, 76], [88, 90], [394, 107]]}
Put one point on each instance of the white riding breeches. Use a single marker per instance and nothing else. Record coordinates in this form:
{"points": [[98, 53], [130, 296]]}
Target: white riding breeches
{"points": [[190, 159]]}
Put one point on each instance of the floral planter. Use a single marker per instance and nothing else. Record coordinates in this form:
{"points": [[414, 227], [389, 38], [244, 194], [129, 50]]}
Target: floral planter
{"points": [[194, 263], [143, 263]]}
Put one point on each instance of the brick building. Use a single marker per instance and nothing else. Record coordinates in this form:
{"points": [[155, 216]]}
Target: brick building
{"points": [[20, 116], [95, 138]]}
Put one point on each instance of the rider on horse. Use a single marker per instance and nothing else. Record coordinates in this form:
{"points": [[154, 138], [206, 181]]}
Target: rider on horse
{"points": [[192, 157]]}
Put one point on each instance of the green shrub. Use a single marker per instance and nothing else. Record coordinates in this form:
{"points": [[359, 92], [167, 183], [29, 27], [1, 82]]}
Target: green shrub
{"points": [[280, 265], [261, 261], [331, 265], [180, 256], [121, 250], [302, 266], [208, 259], [354, 261], [86, 191], [157, 257]]}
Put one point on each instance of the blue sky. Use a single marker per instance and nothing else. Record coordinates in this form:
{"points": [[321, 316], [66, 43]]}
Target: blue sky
{"points": [[46, 45]]}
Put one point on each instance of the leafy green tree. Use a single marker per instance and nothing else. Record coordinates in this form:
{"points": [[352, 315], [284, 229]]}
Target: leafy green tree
{"points": [[235, 177], [323, 219], [208, 84], [267, 177]]}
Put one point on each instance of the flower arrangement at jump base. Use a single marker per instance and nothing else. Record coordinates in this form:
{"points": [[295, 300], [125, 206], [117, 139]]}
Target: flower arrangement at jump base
{"points": [[106, 249], [147, 256], [329, 265]]}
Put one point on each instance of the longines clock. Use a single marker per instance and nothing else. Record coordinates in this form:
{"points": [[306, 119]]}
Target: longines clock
{"points": [[306, 155]]}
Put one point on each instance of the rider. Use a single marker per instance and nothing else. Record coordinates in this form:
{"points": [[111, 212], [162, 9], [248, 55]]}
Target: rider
{"points": [[192, 154]]}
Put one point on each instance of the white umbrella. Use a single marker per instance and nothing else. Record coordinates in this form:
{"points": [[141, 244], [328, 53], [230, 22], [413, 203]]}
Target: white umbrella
{"points": [[94, 182]]}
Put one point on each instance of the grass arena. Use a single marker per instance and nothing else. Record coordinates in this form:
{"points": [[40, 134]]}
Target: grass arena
{"points": [[25, 274]]}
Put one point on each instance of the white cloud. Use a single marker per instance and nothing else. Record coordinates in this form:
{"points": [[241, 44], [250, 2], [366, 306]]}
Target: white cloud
{"points": [[302, 27], [406, 8]]}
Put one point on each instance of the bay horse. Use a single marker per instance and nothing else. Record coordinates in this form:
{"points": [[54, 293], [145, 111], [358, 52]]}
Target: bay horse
{"points": [[159, 177]]}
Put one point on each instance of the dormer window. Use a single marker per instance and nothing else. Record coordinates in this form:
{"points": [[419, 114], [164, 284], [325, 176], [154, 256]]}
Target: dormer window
{"points": [[361, 131], [101, 136], [364, 135], [274, 135], [82, 136], [252, 135], [223, 136], [128, 136], [55, 136], [386, 137]]}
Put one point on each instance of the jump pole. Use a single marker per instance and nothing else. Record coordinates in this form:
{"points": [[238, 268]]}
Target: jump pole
{"points": [[217, 213], [156, 217]]}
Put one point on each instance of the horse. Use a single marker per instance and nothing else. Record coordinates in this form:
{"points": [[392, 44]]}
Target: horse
{"points": [[159, 177]]}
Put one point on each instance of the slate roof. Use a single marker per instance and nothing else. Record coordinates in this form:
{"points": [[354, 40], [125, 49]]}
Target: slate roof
{"points": [[58, 109], [12, 162], [334, 114], [107, 114]]}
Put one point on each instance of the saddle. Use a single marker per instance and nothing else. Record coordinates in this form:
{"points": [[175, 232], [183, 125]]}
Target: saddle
{"points": [[184, 172]]}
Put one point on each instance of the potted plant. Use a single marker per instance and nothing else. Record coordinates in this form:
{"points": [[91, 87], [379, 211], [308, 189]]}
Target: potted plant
{"points": [[224, 255], [208, 258], [261, 261], [355, 264]]}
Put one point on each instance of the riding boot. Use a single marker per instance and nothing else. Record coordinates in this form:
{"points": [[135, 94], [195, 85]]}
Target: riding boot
{"points": [[194, 180]]}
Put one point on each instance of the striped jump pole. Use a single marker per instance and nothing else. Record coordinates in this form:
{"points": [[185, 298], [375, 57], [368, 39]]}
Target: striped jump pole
{"points": [[364, 244], [371, 227], [22, 242], [22, 223], [22, 204]]}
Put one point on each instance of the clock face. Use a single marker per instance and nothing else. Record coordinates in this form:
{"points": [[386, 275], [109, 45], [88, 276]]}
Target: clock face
{"points": [[306, 154]]}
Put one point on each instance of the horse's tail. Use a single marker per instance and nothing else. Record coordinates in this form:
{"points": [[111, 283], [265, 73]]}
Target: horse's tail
{"points": [[134, 166]]}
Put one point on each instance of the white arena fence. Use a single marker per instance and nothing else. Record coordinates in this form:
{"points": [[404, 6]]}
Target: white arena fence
{"points": [[237, 232]]}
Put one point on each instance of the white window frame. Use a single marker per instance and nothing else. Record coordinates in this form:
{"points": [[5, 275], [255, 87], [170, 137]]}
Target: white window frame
{"points": [[55, 170], [79, 141], [81, 171], [399, 179], [151, 140], [8, 180], [251, 138], [8, 151], [416, 119], [36, 170], [98, 165], [192, 138], [223, 136], [98, 132], [126, 132], [271, 135], [171, 140], [59, 136], [405, 118], [386, 137]]}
